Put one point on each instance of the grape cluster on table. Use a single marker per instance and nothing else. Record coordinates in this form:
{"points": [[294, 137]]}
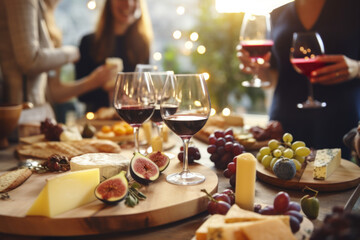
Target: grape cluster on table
{"points": [[220, 203], [283, 206], [223, 147]]}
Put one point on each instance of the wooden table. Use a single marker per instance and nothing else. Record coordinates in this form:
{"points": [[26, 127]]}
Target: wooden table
{"points": [[185, 229]]}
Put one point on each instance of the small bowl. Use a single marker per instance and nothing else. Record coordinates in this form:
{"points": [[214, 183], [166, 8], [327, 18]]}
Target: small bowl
{"points": [[9, 117]]}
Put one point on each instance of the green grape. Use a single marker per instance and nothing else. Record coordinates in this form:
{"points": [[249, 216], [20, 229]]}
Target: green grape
{"points": [[297, 144], [287, 137], [302, 151], [288, 153], [297, 164], [266, 161], [265, 151], [277, 153], [273, 144], [259, 156], [281, 148], [300, 158], [273, 161]]}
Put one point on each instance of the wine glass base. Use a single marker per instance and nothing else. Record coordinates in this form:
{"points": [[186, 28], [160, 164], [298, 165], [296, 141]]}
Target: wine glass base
{"points": [[311, 104], [185, 178], [255, 83]]}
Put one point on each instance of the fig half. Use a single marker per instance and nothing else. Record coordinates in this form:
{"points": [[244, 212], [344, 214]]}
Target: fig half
{"points": [[113, 190], [160, 159], [143, 170]]}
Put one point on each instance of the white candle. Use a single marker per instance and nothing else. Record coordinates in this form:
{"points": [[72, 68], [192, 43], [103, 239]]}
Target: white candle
{"points": [[245, 181]]}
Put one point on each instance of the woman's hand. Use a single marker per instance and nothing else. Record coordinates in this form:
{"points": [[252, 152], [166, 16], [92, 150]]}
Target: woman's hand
{"points": [[340, 69], [104, 76], [247, 65]]}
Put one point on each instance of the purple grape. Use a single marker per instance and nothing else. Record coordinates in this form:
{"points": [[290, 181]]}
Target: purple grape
{"points": [[228, 146], [219, 134], [220, 142], [220, 150], [294, 206], [229, 138], [296, 214], [211, 149], [294, 224], [212, 139]]}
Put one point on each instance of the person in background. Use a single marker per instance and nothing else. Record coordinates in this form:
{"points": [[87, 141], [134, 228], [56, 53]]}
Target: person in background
{"points": [[337, 83], [30, 51], [124, 31]]}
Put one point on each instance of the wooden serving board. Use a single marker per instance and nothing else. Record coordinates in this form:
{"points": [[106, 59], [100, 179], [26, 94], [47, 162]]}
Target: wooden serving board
{"points": [[165, 203], [346, 176]]}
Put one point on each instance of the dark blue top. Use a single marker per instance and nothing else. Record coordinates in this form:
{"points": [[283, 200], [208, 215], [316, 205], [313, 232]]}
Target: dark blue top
{"points": [[98, 98], [339, 27]]}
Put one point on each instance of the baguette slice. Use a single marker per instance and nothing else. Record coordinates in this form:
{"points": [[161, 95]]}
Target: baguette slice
{"points": [[13, 179]]}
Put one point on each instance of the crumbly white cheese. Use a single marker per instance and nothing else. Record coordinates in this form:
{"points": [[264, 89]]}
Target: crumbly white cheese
{"points": [[109, 164], [326, 162]]}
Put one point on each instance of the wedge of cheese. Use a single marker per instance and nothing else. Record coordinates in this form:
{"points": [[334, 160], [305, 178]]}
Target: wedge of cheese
{"points": [[326, 162], [65, 192], [202, 231], [109, 164]]}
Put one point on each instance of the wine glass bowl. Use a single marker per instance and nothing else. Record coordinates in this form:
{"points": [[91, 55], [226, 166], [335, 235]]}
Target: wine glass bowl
{"points": [[134, 99], [185, 107], [306, 47], [256, 39]]}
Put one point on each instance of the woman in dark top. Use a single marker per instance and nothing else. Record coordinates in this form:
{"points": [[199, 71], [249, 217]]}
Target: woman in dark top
{"points": [[124, 31], [337, 84]]}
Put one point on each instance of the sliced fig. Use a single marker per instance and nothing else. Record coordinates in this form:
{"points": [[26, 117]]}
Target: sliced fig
{"points": [[113, 190], [160, 159], [143, 170]]}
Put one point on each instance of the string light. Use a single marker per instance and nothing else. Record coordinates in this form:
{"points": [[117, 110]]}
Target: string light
{"points": [[194, 36], [177, 34], [90, 115], [91, 4], [206, 76], [201, 49], [157, 56], [226, 112], [180, 10], [212, 112], [189, 45]]}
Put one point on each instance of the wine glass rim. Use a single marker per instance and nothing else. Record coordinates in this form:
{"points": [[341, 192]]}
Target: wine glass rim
{"points": [[161, 73], [188, 74]]}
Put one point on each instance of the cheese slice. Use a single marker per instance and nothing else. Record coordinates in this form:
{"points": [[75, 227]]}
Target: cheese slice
{"points": [[201, 232], [326, 162], [237, 214], [65, 192], [109, 164]]}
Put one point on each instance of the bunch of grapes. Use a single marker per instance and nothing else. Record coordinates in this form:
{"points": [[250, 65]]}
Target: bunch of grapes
{"points": [[193, 154], [51, 130], [296, 151], [220, 203], [283, 206], [230, 172], [340, 224], [223, 147]]}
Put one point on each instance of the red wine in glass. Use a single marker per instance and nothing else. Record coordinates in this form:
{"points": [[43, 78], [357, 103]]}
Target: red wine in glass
{"points": [[306, 66], [257, 48], [305, 48], [185, 125], [135, 115]]}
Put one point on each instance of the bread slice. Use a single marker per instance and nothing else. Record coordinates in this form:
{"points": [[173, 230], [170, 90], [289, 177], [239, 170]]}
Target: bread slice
{"points": [[13, 179]]}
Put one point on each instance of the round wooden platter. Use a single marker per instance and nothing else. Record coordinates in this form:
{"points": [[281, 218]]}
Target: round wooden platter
{"points": [[346, 176], [165, 203]]}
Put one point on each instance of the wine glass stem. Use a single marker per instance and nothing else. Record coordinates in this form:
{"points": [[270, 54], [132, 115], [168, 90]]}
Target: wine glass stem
{"points": [[310, 91], [185, 157], [159, 128], [136, 139]]}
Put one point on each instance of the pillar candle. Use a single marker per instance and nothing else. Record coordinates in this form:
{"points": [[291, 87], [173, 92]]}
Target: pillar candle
{"points": [[245, 181]]}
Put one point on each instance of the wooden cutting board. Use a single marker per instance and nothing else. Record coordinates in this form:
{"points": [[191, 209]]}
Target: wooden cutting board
{"points": [[165, 203], [345, 177]]}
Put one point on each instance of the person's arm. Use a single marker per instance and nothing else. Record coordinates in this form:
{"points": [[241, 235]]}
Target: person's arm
{"points": [[62, 92], [22, 16]]}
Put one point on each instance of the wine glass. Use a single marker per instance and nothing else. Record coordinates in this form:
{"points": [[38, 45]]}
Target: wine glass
{"points": [[255, 38], [306, 46], [134, 99], [185, 108], [159, 79]]}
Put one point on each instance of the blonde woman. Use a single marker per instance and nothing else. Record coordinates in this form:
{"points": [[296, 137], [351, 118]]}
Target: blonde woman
{"points": [[30, 49], [123, 30]]}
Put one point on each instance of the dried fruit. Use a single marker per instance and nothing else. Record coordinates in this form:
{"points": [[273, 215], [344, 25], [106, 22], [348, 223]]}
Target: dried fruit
{"points": [[113, 189], [143, 170], [160, 159]]}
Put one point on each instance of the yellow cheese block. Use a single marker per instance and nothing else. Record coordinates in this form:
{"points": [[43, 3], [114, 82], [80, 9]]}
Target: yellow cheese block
{"points": [[202, 231], [65, 192]]}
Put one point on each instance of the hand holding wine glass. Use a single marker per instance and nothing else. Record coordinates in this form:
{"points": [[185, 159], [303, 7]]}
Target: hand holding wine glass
{"points": [[306, 47], [185, 108], [134, 99], [256, 40]]}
